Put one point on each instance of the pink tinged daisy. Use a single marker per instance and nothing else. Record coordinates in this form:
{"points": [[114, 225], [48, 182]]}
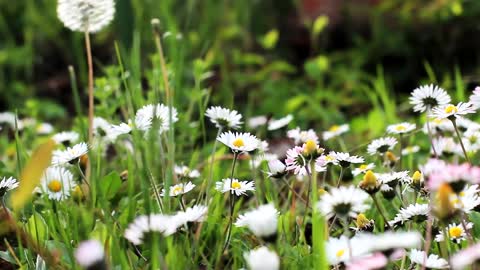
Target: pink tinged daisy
{"points": [[262, 259], [401, 128], [363, 169], [370, 262], [451, 111], [296, 162], [7, 184], [390, 241], [456, 232], [427, 97], [344, 202], [381, 145], [234, 186], [275, 124], [179, 189], [90, 254], [466, 258], [70, 155], [343, 250], [344, 159], [239, 142], [302, 136], [57, 183], [224, 118], [475, 97], [335, 131], [262, 221], [433, 261]]}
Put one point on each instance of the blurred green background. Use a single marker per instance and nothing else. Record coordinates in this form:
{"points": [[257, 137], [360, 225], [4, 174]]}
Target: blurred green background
{"points": [[326, 61]]}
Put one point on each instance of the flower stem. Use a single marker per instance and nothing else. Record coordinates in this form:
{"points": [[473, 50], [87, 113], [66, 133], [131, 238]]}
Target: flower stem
{"points": [[210, 176], [232, 203], [340, 177], [88, 49], [380, 210], [454, 122], [430, 134]]}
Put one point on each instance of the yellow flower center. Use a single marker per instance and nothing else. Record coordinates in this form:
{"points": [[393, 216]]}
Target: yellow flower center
{"points": [[55, 186], [461, 194], [400, 128], [455, 232], [369, 180], [340, 253], [310, 147], [329, 158], [177, 190], [236, 185], [363, 167], [451, 109], [438, 121], [238, 142], [334, 128], [417, 176]]}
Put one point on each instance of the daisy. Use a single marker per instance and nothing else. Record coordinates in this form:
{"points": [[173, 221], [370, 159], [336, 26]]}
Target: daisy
{"points": [[57, 183], [381, 145], [164, 224], [197, 213], [389, 241], [179, 189], [438, 126], [145, 116], [410, 150], [70, 155], [343, 201], [432, 262], [401, 128], [302, 136], [466, 257], [66, 137], [428, 96], [340, 249], [468, 200], [239, 142], [456, 233], [475, 97], [86, 15], [44, 128], [393, 178], [344, 159], [296, 162], [257, 121], [335, 131], [115, 131], [369, 262], [224, 118], [234, 186], [7, 118], [276, 168], [370, 183], [262, 259], [185, 172], [275, 124], [90, 254], [260, 158], [414, 212], [8, 184], [262, 221], [363, 169], [451, 111], [446, 146]]}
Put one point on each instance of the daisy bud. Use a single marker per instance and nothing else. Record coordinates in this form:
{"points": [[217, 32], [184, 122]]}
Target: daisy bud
{"points": [[77, 194], [124, 175], [276, 168], [417, 180], [91, 256], [390, 159], [444, 207], [388, 192], [310, 147], [364, 224], [262, 259], [369, 183], [156, 25]]}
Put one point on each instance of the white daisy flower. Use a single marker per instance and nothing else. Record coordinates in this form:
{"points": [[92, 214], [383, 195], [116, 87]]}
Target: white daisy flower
{"points": [[276, 168], [117, 130], [428, 96], [343, 201], [392, 178], [339, 249], [410, 150], [451, 111], [57, 183], [363, 169], [260, 158], [432, 262], [275, 124], [381, 145], [239, 142], [456, 233], [145, 116], [90, 254], [257, 121], [44, 128], [468, 199], [197, 213], [86, 15], [224, 118], [438, 126], [66, 137], [344, 159], [475, 97], [302, 136], [7, 118], [70, 155], [262, 259], [100, 126], [390, 240], [164, 224], [446, 146], [234, 186], [414, 212], [262, 221], [466, 257], [433, 165], [401, 128], [296, 162], [178, 189], [185, 172], [7, 184], [335, 131]]}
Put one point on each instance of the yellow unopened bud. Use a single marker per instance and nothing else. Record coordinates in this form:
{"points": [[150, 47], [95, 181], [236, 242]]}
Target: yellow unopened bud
{"points": [[362, 221], [390, 156], [444, 207], [369, 182], [77, 193], [417, 178], [310, 147]]}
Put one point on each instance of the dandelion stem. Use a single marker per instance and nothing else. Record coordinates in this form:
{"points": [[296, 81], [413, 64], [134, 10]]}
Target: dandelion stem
{"points": [[454, 122]]}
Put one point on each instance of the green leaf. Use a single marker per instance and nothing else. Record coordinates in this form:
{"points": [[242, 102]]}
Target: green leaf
{"points": [[110, 184], [319, 24], [270, 39], [5, 255], [37, 228]]}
